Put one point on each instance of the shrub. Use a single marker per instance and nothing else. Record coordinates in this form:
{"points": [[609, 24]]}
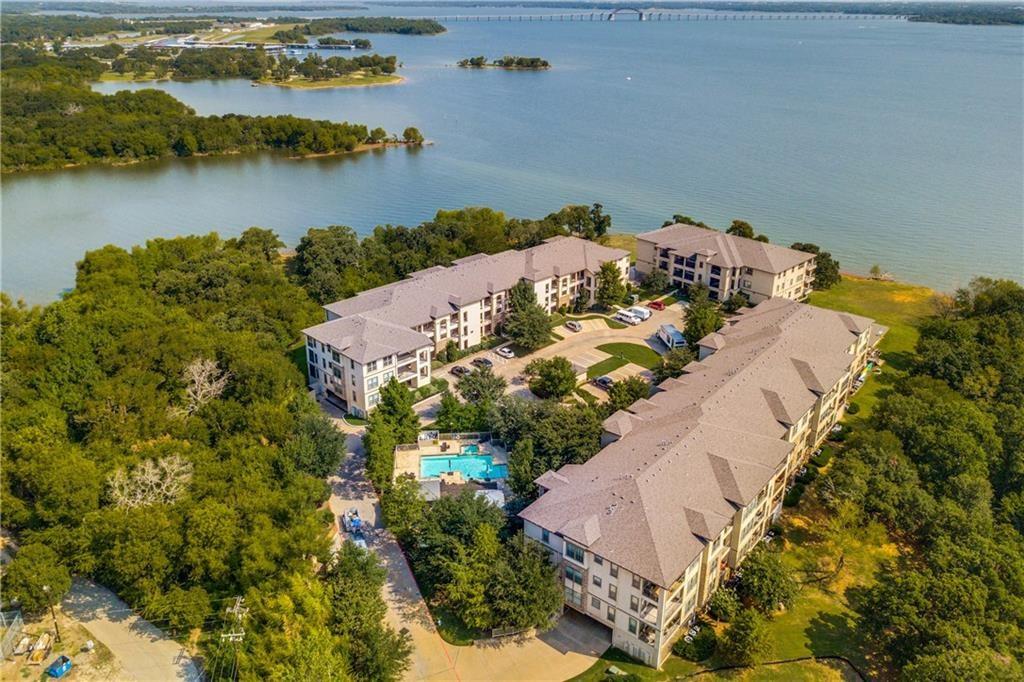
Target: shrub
{"points": [[822, 458], [792, 498], [700, 647], [853, 408], [809, 475], [747, 641], [724, 604]]}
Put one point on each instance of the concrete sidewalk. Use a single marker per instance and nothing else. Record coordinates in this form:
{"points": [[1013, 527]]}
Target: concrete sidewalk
{"points": [[143, 651]]}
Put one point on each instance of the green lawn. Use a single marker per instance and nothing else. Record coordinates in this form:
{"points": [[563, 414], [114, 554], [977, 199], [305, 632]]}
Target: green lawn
{"points": [[604, 367], [820, 623], [898, 306], [353, 80], [297, 355], [435, 386], [451, 628], [619, 240], [633, 352]]}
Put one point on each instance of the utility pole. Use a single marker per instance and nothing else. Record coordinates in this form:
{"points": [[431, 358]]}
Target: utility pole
{"points": [[237, 632], [53, 614]]}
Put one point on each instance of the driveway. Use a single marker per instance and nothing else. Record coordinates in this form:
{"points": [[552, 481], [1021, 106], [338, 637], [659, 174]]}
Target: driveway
{"points": [[565, 651], [143, 651]]}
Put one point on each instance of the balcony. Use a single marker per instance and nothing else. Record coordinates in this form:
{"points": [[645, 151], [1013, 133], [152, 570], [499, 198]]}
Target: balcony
{"points": [[646, 634], [651, 591], [649, 612]]}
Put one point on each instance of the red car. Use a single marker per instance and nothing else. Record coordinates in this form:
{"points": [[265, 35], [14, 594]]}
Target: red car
{"points": [[656, 305]]}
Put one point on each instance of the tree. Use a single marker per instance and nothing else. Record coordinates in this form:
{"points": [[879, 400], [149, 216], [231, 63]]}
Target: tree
{"points": [[454, 416], [482, 385], [741, 228], [610, 287], [317, 447], [826, 268], [876, 271], [746, 641], [471, 569], [724, 604], [702, 316], [766, 583], [656, 281], [521, 473], [526, 322], [153, 481], [524, 592], [673, 363], [734, 303], [627, 391], [33, 568], [680, 219], [551, 378], [260, 241], [326, 261], [601, 223], [396, 407], [404, 509], [412, 135]]}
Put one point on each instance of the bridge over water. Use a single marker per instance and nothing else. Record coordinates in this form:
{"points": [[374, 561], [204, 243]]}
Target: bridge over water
{"points": [[657, 15]]}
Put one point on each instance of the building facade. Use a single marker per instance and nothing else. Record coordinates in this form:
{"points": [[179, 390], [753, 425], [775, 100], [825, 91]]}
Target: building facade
{"points": [[689, 480], [394, 330], [726, 264]]}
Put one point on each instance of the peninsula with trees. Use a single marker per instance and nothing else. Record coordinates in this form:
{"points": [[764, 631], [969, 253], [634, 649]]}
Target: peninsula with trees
{"points": [[52, 119], [511, 63]]}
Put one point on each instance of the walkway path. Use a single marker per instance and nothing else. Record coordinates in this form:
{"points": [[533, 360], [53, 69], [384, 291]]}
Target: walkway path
{"points": [[565, 651], [143, 651]]}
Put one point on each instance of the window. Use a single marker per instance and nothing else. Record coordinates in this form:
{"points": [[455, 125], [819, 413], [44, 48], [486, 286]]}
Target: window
{"points": [[371, 366], [573, 552], [373, 399], [335, 356], [595, 603], [613, 592], [386, 377], [715, 270], [573, 575], [313, 371], [688, 276], [596, 580], [634, 603], [311, 343], [336, 372], [714, 283], [632, 626], [614, 571], [598, 560], [691, 261], [372, 383], [545, 537], [611, 614], [636, 582], [386, 362]]}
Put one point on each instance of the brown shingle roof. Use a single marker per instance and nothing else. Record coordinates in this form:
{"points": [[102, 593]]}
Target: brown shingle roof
{"points": [[704, 445], [726, 250]]}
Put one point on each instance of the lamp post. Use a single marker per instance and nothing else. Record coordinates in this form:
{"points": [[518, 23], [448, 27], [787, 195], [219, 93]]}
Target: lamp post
{"points": [[53, 614]]}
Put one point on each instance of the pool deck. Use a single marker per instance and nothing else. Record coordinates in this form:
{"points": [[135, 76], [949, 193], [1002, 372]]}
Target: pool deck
{"points": [[407, 457]]}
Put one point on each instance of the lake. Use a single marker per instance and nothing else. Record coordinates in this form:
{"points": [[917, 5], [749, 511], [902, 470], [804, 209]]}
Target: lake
{"points": [[885, 142]]}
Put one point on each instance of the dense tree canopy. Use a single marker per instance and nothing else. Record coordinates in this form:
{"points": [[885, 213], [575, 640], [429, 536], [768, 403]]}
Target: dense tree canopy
{"points": [[158, 439], [51, 119], [940, 465], [703, 316]]}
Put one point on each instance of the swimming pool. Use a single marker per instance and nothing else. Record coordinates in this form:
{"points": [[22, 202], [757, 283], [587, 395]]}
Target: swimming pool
{"points": [[473, 449], [479, 467]]}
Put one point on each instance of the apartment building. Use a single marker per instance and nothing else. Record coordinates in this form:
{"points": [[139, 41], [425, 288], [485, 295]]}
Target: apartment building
{"points": [[726, 264], [689, 479], [394, 330]]}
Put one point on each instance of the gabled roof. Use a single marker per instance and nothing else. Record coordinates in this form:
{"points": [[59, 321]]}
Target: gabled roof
{"points": [[726, 250], [364, 339], [439, 291], [702, 446]]}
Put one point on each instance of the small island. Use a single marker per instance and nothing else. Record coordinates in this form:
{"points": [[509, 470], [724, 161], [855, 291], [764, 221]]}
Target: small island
{"points": [[512, 63]]}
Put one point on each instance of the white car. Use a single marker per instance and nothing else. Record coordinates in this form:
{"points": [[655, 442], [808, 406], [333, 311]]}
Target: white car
{"points": [[505, 352], [627, 317], [641, 312]]}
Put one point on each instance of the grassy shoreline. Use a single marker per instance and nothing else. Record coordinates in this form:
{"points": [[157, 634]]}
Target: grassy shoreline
{"points": [[352, 81]]}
